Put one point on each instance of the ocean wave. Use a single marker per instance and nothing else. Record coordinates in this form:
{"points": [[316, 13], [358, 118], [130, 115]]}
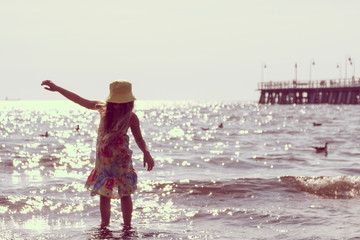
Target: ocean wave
{"points": [[239, 188], [22, 204], [340, 187]]}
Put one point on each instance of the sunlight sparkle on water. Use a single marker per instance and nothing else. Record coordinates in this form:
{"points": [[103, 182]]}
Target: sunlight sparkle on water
{"points": [[37, 223], [176, 132], [16, 178]]}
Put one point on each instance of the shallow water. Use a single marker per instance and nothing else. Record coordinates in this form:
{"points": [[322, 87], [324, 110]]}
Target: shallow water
{"points": [[255, 178]]}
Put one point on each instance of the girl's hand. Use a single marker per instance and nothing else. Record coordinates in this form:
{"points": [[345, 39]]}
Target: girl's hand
{"points": [[149, 161], [50, 85]]}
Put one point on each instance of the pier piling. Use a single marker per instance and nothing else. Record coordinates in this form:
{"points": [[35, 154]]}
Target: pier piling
{"points": [[310, 92]]}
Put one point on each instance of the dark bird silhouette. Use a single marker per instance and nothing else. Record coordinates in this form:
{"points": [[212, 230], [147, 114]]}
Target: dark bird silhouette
{"points": [[219, 126], [321, 149], [44, 135], [77, 128], [316, 124]]}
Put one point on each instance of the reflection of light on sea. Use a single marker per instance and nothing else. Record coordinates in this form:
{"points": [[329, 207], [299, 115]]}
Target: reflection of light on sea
{"points": [[72, 208], [73, 187], [34, 175], [176, 132], [155, 204], [33, 204], [14, 199], [153, 208], [3, 209], [37, 223], [45, 225], [15, 178], [62, 172]]}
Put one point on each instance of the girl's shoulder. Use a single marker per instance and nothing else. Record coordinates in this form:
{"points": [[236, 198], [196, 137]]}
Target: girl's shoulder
{"points": [[134, 120]]}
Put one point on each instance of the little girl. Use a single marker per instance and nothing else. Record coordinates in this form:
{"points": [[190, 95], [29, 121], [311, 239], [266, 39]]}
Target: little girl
{"points": [[113, 175]]}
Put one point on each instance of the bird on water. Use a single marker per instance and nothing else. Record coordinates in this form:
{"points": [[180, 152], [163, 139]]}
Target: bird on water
{"points": [[44, 135], [321, 149]]}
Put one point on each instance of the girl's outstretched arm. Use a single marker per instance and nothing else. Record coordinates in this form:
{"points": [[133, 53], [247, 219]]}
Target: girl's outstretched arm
{"points": [[135, 129], [50, 86]]}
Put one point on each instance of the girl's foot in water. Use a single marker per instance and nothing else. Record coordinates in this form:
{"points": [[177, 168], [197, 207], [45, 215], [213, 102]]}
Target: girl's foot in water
{"points": [[104, 224]]}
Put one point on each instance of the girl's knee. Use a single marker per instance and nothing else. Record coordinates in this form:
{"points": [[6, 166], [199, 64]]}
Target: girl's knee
{"points": [[104, 200], [126, 199], [126, 202]]}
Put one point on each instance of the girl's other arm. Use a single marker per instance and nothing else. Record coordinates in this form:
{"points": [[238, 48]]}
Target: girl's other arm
{"points": [[70, 95], [135, 129]]}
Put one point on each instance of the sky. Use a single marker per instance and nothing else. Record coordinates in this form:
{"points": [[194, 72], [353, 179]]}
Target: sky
{"points": [[173, 50]]}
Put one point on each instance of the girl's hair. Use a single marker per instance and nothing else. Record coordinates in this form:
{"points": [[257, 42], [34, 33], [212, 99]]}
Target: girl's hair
{"points": [[117, 116], [114, 121]]}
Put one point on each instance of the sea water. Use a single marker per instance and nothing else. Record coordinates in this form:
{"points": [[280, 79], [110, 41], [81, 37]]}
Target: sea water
{"points": [[257, 177]]}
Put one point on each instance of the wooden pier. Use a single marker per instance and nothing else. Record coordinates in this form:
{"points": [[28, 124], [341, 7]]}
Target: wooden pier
{"points": [[338, 91]]}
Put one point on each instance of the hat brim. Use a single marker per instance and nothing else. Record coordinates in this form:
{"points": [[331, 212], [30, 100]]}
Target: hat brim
{"points": [[124, 98]]}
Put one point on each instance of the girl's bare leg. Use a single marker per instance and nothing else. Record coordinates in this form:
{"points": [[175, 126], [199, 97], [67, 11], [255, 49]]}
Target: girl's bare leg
{"points": [[105, 210], [126, 208]]}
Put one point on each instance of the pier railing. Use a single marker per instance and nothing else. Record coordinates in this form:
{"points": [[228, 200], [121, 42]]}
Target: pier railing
{"points": [[329, 83]]}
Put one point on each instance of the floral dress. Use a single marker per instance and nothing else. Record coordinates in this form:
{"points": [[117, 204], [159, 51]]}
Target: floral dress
{"points": [[113, 175]]}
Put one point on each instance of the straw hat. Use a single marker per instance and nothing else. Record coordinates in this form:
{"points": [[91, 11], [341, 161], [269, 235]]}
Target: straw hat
{"points": [[120, 92]]}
